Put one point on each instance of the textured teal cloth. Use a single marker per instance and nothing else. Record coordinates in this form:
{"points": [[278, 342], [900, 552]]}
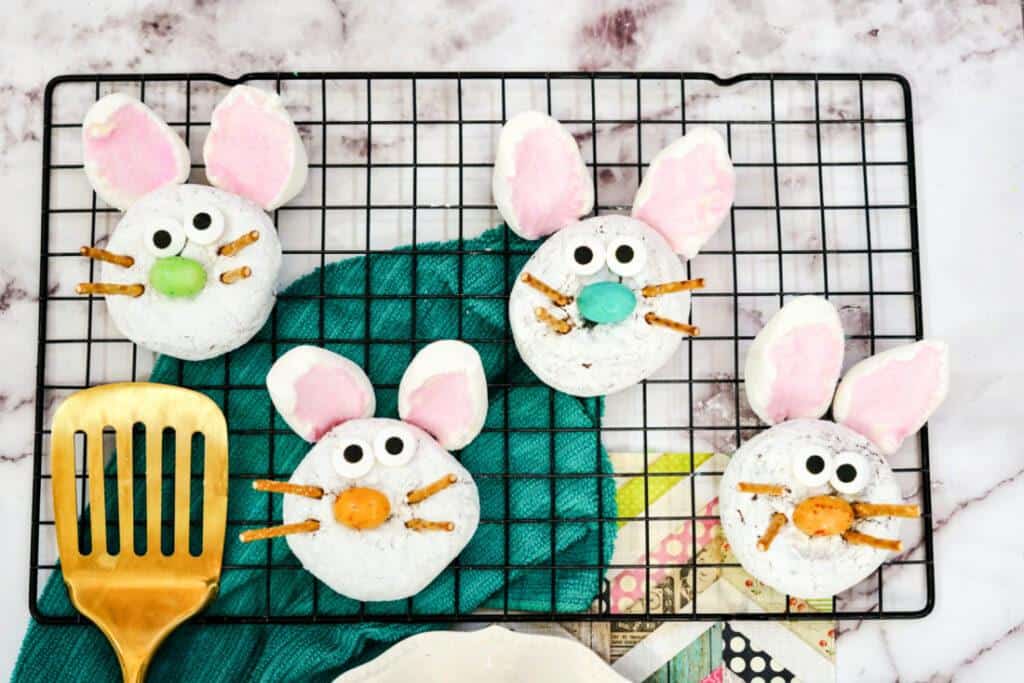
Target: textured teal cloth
{"points": [[320, 652]]}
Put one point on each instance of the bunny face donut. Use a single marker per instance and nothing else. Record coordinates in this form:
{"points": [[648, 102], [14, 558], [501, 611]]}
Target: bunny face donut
{"points": [[190, 270], [379, 507], [602, 304], [586, 262], [811, 507], [191, 308]]}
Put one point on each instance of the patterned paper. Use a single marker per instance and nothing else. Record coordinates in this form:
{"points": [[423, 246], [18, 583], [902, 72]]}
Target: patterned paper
{"points": [[749, 663], [751, 652]]}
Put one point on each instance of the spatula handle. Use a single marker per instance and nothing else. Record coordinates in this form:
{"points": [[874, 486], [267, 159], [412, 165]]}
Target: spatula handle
{"points": [[133, 665]]}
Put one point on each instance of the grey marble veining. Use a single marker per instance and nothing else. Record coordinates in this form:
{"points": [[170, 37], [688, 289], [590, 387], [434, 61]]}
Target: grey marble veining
{"points": [[964, 59]]}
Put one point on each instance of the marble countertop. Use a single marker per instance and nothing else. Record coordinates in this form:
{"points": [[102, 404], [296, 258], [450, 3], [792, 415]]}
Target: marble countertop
{"points": [[964, 61]]}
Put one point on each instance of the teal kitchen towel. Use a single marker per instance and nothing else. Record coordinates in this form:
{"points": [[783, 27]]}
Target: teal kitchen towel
{"points": [[365, 309]]}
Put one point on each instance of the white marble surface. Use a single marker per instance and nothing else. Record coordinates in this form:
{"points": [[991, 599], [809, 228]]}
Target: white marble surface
{"points": [[964, 59]]}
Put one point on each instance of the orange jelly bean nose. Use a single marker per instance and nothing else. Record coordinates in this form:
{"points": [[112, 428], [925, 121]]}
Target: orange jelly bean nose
{"points": [[362, 508], [823, 516]]}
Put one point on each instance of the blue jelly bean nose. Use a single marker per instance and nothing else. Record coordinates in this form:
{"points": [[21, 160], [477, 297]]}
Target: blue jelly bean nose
{"points": [[606, 302]]}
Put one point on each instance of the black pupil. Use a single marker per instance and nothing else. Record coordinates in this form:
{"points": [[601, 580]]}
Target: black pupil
{"points": [[201, 221], [394, 445], [353, 453], [846, 473], [815, 464], [583, 255], [162, 239], [624, 253]]}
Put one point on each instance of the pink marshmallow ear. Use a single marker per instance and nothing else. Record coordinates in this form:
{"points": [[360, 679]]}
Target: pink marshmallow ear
{"points": [[794, 361], [540, 182], [890, 395], [687, 191], [129, 151], [315, 390], [444, 392], [253, 148]]}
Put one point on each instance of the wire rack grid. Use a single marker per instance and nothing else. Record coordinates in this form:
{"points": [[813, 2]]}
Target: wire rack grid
{"points": [[825, 204]]}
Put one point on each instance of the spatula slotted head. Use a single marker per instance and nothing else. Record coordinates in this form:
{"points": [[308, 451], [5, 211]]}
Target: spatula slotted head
{"points": [[137, 599]]}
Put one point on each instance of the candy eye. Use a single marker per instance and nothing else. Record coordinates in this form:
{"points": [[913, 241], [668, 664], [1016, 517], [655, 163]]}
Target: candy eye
{"points": [[204, 225], [852, 473], [585, 255], [164, 238], [394, 446], [353, 458], [812, 466], [627, 256]]}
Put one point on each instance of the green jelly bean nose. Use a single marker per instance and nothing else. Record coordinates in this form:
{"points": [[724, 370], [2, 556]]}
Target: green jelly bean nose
{"points": [[606, 302], [177, 276]]}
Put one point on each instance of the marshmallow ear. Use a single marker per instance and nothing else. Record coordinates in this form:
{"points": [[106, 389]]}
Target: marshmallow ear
{"points": [[129, 151], [890, 395], [794, 361], [444, 392], [540, 182], [315, 390], [687, 191], [253, 148]]}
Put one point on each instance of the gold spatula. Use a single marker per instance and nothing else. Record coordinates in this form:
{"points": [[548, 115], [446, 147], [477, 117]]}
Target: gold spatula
{"points": [[137, 600]]}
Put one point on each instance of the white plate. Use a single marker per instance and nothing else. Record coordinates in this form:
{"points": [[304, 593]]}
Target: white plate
{"points": [[493, 654]]}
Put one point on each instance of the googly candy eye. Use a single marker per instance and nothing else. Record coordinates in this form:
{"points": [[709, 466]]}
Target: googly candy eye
{"points": [[585, 255], [627, 256], [164, 237], [852, 473], [204, 225], [394, 446], [812, 466], [353, 458]]}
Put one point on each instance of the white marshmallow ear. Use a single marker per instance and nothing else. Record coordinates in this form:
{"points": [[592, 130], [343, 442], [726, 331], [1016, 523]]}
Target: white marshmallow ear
{"points": [[128, 151], [315, 390], [540, 182], [688, 190], [890, 395], [444, 392], [794, 361], [253, 148]]}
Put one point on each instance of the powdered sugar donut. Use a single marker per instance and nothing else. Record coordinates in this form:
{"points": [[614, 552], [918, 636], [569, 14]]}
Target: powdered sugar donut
{"points": [[812, 507], [390, 560], [378, 508], [603, 302], [594, 359], [796, 562], [191, 307], [191, 271]]}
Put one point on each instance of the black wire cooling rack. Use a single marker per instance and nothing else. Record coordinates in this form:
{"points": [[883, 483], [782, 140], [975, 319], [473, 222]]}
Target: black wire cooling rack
{"points": [[826, 204]]}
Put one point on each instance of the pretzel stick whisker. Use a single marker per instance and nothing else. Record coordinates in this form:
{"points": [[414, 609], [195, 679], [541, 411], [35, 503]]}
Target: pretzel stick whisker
{"points": [[653, 318], [108, 256], [108, 288], [417, 524], [271, 486], [231, 276], [280, 530], [885, 510], [559, 325], [671, 287], [857, 538], [421, 494], [237, 245], [776, 523], [763, 489], [557, 298]]}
